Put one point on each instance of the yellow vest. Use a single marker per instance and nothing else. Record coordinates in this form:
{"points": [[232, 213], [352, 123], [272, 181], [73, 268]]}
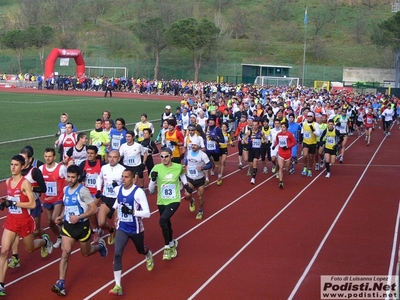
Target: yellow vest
{"points": [[330, 139], [309, 137]]}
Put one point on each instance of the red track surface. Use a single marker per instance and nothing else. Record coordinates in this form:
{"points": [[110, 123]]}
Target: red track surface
{"points": [[255, 242]]}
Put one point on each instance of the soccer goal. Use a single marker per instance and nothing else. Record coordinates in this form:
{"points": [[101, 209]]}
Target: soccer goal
{"points": [[92, 71], [318, 84], [279, 81]]}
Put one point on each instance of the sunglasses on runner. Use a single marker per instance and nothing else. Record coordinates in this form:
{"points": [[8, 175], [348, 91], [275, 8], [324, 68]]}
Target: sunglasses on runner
{"points": [[164, 156]]}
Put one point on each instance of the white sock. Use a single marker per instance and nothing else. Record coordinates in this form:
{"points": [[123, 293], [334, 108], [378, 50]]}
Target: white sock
{"points": [[117, 277]]}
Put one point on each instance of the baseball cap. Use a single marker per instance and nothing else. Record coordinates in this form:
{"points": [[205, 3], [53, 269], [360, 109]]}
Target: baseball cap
{"points": [[195, 140], [168, 107], [212, 117]]}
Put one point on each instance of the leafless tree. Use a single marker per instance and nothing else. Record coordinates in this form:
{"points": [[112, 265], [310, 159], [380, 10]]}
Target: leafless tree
{"points": [[64, 11], [239, 24], [32, 11], [360, 29]]}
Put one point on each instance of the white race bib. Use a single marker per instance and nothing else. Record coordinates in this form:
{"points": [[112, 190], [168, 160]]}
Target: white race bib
{"points": [[192, 172], [15, 210], [51, 189], [211, 145], [109, 191], [168, 191], [125, 217], [71, 211], [91, 180], [115, 143], [330, 140], [256, 143], [282, 141]]}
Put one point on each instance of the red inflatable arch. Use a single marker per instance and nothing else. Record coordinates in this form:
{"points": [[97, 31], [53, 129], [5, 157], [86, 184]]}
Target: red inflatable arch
{"points": [[64, 53]]}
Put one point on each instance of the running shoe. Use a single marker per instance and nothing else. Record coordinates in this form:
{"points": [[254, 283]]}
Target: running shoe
{"points": [[366, 138], [316, 167], [192, 206], [173, 250], [57, 244], [309, 173], [2, 291], [219, 181], [248, 173], [13, 262], [116, 290], [102, 248], [199, 215], [98, 233], [48, 248], [212, 172], [341, 160], [304, 172], [167, 253], [59, 288], [291, 170], [277, 175], [281, 185], [321, 165], [328, 174], [240, 166], [150, 261], [111, 237], [207, 182], [265, 170], [253, 181], [273, 169]]}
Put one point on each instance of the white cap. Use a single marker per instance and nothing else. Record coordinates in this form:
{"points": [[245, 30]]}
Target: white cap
{"points": [[195, 140], [168, 107]]}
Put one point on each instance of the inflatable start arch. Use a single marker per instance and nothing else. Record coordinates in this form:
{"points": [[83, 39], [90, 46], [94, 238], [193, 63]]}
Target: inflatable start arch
{"points": [[64, 53]]}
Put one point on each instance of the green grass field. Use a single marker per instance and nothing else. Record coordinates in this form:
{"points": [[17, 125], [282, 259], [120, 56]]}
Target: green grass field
{"points": [[29, 119]]}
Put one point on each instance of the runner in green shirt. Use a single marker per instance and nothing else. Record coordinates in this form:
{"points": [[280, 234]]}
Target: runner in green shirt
{"points": [[167, 175]]}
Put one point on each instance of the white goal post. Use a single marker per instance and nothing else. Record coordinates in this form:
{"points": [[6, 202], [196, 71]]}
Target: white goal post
{"points": [[270, 80], [106, 71]]}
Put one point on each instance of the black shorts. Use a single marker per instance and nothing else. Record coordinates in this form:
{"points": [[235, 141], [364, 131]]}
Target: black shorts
{"points": [[223, 151], [197, 182], [320, 144], [311, 148], [329, 151], [254, 154], [108, 201], [265, 151], [215, 156], [359, 123], [137, 170], [80, 231]]}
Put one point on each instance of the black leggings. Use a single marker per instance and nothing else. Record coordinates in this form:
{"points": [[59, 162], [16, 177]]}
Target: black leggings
{"points": [[121, 239], [166, 212]]}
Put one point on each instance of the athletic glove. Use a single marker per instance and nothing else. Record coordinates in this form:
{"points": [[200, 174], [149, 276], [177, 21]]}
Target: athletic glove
{"points": [[9, 203], [2, 206], [98, 194], [153, 175], [311, 128], [126, 210], [273, 147], [285, 148], [188, 188], [114, 184], [172, 143]]}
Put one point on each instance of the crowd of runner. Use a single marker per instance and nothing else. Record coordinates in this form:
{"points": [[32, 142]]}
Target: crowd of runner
{"points": [[99, 185]]}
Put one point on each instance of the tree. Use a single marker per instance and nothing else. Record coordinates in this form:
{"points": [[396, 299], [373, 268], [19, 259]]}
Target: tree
{"points": [[39, 38], [387, 33], [198, 37], [152, 33], [324, 14], [33, 11], [17, 41]]}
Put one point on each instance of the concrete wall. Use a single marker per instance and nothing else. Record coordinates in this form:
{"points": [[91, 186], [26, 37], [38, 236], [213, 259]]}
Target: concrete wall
{"points": [[353, 75]]}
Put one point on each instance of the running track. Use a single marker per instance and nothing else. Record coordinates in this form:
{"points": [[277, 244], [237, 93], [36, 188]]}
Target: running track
{"points": [[255, 241]]}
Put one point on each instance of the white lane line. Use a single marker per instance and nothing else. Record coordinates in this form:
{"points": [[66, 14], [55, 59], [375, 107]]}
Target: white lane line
{"points": [[394, 249], [254, 237], [310, 264]]}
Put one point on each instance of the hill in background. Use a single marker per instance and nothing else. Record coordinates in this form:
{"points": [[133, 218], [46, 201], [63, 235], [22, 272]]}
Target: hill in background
{"points": [[254, 31]]}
